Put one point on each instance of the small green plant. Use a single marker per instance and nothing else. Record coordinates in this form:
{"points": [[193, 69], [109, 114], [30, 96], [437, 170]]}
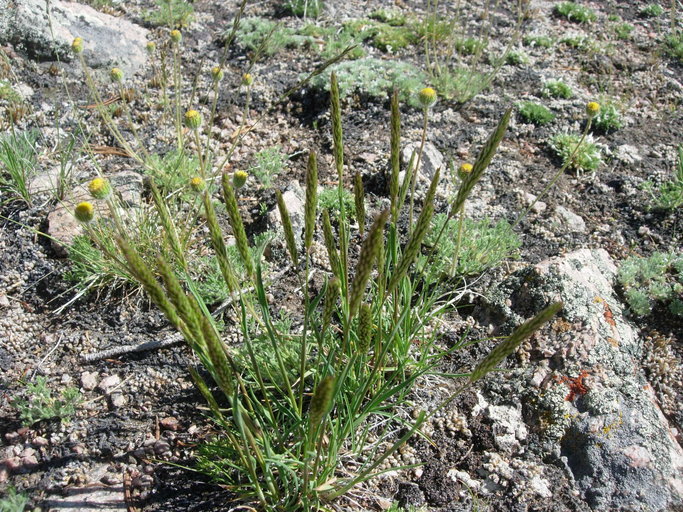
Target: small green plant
{"points": [[651, 11], [328, 199], [669, 196], [305, 8], [651, 281], [267, 37], [535, 113], [460, 84], [587, 158], [170, 13], [18, 164], [470, 45], [609, 119], [538, 41], [557, 89], [40, 404], [7, 92], [13, 501], [674, 45], [516, 58], [393, 17], [172, 171], [484, 245], [268, 163], [623, 31], [579, 42], [575, 12]]}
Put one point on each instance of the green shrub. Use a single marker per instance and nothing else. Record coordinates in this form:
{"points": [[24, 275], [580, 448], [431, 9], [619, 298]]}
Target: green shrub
{"points": [[535, 113], [651, 281], [39, 403], [170, 13], [557, 89], [587, 158], [484, 245], [575, 12], [652, 11]]}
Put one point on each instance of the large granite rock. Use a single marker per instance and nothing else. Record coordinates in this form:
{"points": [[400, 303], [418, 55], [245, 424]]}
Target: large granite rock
{"points": [[45, 30], [587, 393]]}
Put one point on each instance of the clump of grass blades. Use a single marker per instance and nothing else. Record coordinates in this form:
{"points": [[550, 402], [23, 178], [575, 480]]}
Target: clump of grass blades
{"points": [[290, 401], [18, 161]]}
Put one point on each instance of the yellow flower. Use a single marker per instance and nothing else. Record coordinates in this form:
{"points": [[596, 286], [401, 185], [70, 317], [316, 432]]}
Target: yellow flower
{"points": [[193, 119], [247, 79], [176, 36], [427, 97], [116, 75], [84, 212], [99, 188], [239, 178], [466, 168], [197, 184], [151, 47], [593, 109], [217, 73], [77, 45]]}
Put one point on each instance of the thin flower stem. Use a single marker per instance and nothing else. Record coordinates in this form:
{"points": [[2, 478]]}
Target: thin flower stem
{"points": [[416, 170]]}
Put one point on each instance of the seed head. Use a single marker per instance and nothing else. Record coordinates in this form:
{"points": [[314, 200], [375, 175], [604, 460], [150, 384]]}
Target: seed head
{"points": [[592, 109], [197, 184], [239, 178], [77, 45], [151, 47], [84, 212], [217, 73], [427, 97], [247, 79], [193, 119], [116, 75], [176, 36], [99, 188]]}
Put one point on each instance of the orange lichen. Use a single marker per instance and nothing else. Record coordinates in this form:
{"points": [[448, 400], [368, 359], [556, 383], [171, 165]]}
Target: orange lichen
{"points": [[576, 385]]}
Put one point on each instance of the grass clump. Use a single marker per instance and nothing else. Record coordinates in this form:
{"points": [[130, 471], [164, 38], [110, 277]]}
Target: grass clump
{"points": [[484, 245], [587, 158], [18, 164], [535, 113], [651, 281], [674, 45], [39, 403], [13, 501], [557, 89], [304, 8], [170, 13], [651, 11], [539, 41], [574, 12]]}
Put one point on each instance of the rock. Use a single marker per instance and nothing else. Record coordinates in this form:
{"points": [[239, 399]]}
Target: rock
{"points": [[568, 219], [432, 159], [46, 182], [602, 418], [170, 423], [628, 154], [63, 227], [109, 383], [90, 497], [117, 400], [89, 380], [108, 41]]}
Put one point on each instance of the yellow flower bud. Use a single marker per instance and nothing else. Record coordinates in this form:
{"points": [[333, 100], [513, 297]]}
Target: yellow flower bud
{"points": [[84, 212], [99, 188], [593, 109], [77, 45], [193, 119], [247, 79], [427, 97], [151, 47], [176, 36], [466, 168], [116, 75], [197, 184], [239, 178], [217, 73]]}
